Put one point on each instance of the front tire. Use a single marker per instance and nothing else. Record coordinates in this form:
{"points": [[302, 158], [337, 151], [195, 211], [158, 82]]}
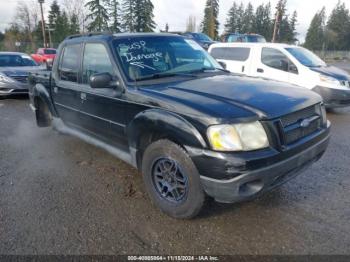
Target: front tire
{"points": [[172, 180]]}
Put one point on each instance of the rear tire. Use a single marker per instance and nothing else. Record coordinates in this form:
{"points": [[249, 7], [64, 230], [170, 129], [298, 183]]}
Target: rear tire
{"points": [[43, 114], [172, 180]]}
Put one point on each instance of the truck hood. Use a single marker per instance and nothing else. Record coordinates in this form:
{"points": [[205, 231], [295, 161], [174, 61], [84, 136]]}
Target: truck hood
{"points": [[232, 97], [332, 71]]}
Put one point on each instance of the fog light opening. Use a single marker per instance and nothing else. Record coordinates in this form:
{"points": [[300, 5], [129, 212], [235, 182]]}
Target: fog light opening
{"points": [[251, 188]]}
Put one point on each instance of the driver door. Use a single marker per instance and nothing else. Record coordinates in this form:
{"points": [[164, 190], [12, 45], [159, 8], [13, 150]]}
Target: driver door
{"points": [[102, 109]]}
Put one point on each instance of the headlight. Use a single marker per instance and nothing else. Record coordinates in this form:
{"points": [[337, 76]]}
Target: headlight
{"points": [[238, 137], [329, 80], [4, 78]]}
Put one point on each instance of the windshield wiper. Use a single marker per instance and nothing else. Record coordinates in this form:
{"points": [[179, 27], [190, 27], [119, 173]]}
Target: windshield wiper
{"points": [[206, 69], [164, 75]]}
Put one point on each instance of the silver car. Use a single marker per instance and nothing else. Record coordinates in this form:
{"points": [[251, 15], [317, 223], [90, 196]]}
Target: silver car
{"points": [[14, 71]]}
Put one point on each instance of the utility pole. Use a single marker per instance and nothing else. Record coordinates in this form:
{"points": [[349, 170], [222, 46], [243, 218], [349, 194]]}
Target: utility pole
{"points": [[276, 27], [50, 39], [42, 21]]}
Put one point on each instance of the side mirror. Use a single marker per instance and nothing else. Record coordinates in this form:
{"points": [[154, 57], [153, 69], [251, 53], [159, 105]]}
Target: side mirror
{"points": [[101, 80], [293, 69], [223, 64], [284, 65]]}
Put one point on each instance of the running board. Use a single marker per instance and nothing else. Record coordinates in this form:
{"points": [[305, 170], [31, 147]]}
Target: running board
{"points": [[122, 155]]}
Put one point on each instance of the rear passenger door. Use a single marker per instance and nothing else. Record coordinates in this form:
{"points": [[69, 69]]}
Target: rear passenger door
{"points": [[65, 86], [235, 58], [102, 110]]}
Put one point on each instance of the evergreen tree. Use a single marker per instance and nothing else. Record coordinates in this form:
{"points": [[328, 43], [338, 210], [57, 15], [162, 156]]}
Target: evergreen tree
{"points": [[248, 19], [240, 17], [114, 14], [54, 13], [128, 10], [339, 26], [231, 25], [288, 28], [315, 37], [98, 16], [262, 22], [210, 24], [284, 31], [144, 16], [63, 27], [293, 28], [54, 16], [74, 25]]}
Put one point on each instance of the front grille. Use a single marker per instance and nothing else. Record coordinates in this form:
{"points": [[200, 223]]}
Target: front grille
{"points": [[22, 79], [301, 124], [292, 118]]}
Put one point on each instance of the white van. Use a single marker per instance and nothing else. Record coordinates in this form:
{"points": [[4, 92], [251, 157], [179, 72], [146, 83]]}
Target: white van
{"points": [[286, 63]]}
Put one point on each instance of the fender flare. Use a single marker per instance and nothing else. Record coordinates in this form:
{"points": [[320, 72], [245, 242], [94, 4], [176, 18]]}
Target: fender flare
{"points": [[40, 91], [167, 124]]}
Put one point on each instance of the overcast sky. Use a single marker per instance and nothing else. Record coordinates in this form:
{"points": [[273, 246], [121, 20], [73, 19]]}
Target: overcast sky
{"points": [[176, 12]]}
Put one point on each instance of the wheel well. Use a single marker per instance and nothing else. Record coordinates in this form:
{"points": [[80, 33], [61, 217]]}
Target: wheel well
{"points": [[149, 138]]}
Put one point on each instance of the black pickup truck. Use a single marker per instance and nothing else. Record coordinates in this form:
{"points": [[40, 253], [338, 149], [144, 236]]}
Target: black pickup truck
{"points": [[162, 104]]}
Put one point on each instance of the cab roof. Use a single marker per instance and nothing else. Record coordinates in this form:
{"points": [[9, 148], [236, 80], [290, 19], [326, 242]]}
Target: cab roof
{"points": [[108, 36]]}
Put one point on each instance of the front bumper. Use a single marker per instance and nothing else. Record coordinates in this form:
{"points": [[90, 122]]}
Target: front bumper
{"points": [[333, 97], [9, 89], [251, 182]]}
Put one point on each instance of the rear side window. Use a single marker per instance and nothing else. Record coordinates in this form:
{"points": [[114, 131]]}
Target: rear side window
{"points": [[96, 60], [231, 53], [69, 66]]}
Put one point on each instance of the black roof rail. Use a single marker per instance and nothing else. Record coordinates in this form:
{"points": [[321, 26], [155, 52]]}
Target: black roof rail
{"points": [[88, 35]]}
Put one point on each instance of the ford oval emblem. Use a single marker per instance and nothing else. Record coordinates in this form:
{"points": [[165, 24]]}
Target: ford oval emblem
{"points": [[305, 123]]}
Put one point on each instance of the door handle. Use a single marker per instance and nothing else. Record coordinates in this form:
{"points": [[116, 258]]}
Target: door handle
{"points": [[83, 96], [260, 70]]}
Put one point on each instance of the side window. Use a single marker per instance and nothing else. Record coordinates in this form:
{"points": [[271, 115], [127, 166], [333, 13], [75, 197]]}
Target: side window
{"points": [[232, 38], [69, 64], [231, 53], [275, 59], [96, 60]]}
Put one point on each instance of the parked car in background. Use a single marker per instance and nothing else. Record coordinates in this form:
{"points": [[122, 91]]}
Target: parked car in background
{"points": [[164, 105], [14, 71], [44, 55], [243, 38], [202, 39], [287, 63]]}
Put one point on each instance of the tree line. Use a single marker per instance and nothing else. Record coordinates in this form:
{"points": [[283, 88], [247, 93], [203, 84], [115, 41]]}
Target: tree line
{"points": [[246, 19], [332, 33], [76, 16]]}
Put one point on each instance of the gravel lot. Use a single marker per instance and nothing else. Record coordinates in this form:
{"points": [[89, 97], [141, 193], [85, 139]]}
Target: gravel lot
{"points": [[59, 195]]}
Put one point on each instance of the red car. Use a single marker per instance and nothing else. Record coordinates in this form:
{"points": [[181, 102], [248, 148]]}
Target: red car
{"points": [[44, 55]]}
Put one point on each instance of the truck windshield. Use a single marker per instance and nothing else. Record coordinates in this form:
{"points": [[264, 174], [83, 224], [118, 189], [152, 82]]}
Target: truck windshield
{"points": [[16, 60], [144, 57], [202, 37], [255, 39], [50, 51], [306, 57]]}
